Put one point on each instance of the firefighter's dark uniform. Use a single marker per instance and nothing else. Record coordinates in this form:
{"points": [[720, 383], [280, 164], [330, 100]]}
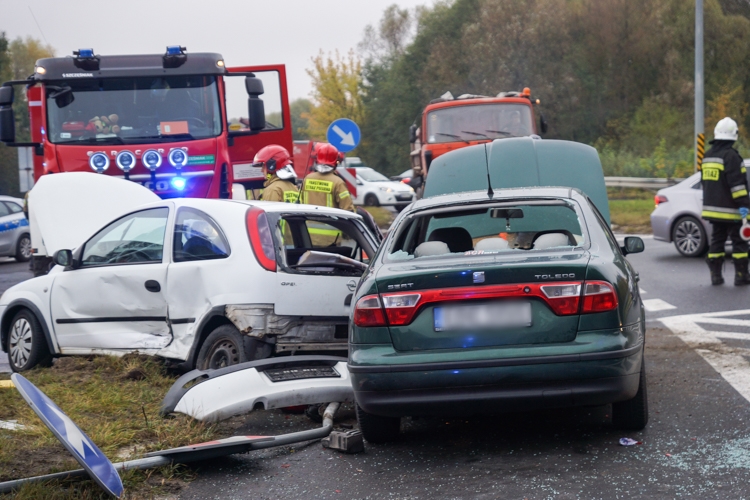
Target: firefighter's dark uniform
{"points": [[275, 189], [725, 190]]}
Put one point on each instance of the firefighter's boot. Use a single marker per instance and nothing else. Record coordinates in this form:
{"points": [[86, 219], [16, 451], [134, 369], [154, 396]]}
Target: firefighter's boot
{"points": [[716, 266], [741, 276]]}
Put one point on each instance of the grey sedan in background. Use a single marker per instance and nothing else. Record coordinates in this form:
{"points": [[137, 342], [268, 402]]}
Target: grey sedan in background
{"points": [[14, 230], [677, 217]]}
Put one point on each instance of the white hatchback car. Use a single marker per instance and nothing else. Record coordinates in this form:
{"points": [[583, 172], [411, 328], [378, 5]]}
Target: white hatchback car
{"points": [[374, 189], [206, 283]]}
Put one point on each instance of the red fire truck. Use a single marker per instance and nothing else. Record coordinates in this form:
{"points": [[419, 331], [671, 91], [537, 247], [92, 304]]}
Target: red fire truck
{"points": [[168, 121], [449, 123]]}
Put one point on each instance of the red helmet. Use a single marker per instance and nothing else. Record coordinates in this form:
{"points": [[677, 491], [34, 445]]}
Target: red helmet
{"points": [[272, 158], [327, 154]]}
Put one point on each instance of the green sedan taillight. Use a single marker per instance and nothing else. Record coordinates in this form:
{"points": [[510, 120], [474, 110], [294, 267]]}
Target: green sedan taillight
{"points": [[564, 299]]}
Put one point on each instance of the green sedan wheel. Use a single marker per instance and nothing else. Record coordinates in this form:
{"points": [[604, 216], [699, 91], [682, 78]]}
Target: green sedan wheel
{"points": [[377, 429], [632, 415]]}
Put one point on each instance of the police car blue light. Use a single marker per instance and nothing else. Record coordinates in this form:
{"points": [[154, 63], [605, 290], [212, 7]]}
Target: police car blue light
{"points": [[178, 183], [174, 50], [178, 158], [99, 162], [84, 53], [151, 159]]}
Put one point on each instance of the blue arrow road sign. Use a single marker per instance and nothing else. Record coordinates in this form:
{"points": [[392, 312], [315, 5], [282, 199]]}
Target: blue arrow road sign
{"points": [[77, 443], [344, 134]]}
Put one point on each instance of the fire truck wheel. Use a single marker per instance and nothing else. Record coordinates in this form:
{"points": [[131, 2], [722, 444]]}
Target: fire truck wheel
{"points": [[371, 200], [23, 249], [223, 347]]}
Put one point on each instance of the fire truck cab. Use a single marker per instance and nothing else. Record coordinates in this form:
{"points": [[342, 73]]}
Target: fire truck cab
{"points": [[167, 121], [449, 123]]}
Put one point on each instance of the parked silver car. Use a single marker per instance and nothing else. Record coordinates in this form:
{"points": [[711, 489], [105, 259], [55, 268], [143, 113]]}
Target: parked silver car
{"points": [[677, 217], [14, 230]]}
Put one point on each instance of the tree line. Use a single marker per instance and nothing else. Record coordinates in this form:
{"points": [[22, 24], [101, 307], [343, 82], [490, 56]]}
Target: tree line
{"points": [[616, 74]]}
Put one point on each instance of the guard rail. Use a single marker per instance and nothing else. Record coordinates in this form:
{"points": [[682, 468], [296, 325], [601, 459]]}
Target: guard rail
{"points": [[641, 182]]}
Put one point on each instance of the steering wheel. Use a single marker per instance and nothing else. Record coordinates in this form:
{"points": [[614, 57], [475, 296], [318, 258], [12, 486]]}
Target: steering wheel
{"points": [[132, 256]]}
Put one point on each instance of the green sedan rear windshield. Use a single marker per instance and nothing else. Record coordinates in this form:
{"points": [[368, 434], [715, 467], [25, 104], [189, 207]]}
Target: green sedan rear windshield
{"points": [[496, 229]]}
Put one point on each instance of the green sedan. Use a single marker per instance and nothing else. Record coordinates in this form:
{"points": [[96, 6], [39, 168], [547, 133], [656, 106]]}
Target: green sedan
{"points": [[499, 300]]}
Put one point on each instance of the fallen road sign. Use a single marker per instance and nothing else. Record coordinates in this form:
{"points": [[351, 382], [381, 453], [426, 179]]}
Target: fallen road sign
{"points": [[91, 458]]}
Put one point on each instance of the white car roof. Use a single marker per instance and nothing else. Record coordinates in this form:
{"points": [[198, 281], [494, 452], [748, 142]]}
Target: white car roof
{"points": [[11, 198]]}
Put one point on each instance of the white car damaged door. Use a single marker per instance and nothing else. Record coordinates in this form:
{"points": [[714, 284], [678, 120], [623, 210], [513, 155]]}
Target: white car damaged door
{"points": [[317, 290], [114, 297]]}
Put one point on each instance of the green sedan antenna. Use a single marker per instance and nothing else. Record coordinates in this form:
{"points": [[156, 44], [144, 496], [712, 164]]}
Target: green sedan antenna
{"points": [[490, 192]]}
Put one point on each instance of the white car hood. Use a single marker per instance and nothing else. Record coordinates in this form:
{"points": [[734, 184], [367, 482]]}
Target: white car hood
{"points": [[68, 208]]}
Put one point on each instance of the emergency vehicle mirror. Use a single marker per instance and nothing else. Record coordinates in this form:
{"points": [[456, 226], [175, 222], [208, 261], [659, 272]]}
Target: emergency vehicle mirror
{"points": [[7, 118], [254, 86], [6, 95], [543, 124], [63, 96], [413, 133], [633, 244], [256, 113]]}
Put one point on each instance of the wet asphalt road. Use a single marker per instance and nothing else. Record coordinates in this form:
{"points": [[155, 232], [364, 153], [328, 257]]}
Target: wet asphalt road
{"points": [[697, 443], [11, 272]]}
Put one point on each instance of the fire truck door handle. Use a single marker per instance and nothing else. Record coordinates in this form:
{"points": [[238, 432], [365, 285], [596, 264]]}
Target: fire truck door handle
{"points": [[153, 286]]}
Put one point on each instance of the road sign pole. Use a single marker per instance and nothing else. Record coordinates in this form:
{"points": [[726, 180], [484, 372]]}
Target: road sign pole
{"points": [[699, 101]]}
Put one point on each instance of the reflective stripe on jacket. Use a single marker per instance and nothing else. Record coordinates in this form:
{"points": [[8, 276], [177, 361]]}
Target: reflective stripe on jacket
{"points": [[276, 189], [326, 190], [724, 182]]}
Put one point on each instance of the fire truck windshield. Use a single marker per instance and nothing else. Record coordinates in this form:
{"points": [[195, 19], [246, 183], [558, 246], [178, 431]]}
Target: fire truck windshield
{"points": [[133, 110], [479, 121]]}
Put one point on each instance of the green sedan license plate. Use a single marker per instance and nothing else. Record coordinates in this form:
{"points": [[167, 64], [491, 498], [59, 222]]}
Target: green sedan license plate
{"points": [[483, 316]]}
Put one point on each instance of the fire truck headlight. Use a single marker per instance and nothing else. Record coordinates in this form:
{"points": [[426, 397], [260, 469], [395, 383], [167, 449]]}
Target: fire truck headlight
{"points": [[151, 159], [178, 183], [178, 158], [125, 161], [99, 162]]}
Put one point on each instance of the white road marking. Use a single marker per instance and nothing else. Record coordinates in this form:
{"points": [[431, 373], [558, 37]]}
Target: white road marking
{"points": [[729, 362], [11, 425], [654, 305]]}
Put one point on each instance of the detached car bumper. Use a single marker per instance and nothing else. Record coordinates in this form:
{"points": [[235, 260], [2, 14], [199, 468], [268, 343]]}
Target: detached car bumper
{"points": [[499, 385]]}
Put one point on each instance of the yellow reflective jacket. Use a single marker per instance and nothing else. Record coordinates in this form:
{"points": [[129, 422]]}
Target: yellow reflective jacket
{"points": [[276, 189], [326, 190]]}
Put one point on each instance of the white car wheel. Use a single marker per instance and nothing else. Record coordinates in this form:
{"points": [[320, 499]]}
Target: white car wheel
{"points": [[27, 346], [689, 237]]}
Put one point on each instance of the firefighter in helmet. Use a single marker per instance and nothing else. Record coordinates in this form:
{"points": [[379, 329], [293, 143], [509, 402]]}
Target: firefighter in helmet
{"points": [[323, 187], [725, 202], [280, 176]]}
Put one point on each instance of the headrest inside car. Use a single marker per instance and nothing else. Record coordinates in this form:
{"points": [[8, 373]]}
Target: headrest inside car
{"points": [[429, 248], [457, 238], [551, 240], [489, 244]]}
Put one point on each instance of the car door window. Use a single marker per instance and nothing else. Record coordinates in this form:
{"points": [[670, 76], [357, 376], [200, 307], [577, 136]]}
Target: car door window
{"points": [[198, 237], [4, 210], [13, 207], [341, 237], [134, 239]]}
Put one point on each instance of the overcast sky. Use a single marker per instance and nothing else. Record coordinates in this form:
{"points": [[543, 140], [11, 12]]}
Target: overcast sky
{"points": [[246, 32]]}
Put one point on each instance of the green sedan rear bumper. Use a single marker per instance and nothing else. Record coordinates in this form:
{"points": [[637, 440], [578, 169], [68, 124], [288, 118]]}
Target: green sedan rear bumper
{"points": [[485, 386]]}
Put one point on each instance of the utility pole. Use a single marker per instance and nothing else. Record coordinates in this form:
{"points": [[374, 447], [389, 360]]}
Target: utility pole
{"points": [[700, 139]]}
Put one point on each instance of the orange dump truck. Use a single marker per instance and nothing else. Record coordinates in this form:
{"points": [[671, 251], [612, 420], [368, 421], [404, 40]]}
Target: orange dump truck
{"points": [[449, 123]]}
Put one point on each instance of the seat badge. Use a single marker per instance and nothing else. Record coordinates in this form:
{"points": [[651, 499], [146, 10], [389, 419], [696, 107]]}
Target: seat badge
{"points": [[478, 277]]}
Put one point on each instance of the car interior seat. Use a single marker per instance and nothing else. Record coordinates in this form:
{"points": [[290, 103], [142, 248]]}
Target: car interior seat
{"points": [[491, 244], [430, 248], [200, 248], [552, 240], [458, 239]]}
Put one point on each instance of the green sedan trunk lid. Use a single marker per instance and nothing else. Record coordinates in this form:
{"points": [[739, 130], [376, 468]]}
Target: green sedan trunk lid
{"points": [[436, 274]]}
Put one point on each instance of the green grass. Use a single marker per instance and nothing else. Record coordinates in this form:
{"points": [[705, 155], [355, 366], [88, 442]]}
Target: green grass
{"points": [[632, 215], [383, 217], [116, 402]]}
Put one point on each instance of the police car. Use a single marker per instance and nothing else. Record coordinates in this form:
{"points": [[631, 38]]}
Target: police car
{"points": [[14, 230], [206, 283]]}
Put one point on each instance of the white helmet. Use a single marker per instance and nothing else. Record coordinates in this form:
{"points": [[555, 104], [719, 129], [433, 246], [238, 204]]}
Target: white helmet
{"points": [[726, 130]]}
